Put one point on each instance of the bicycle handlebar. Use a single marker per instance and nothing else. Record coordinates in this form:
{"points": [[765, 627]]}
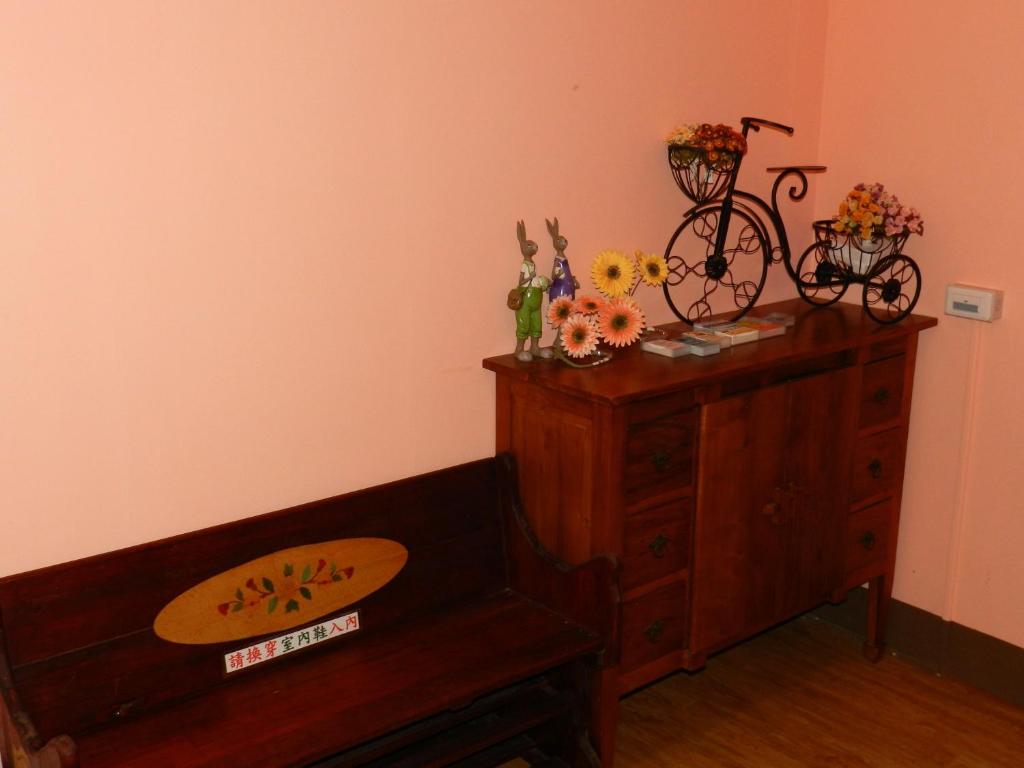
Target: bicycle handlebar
{"points": [[757, 122]]}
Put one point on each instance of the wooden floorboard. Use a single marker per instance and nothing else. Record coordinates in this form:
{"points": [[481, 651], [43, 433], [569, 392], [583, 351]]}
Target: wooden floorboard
{"points": [[802, 695]]}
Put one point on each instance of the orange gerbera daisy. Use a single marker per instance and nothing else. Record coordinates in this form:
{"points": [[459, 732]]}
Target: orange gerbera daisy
{"points": [[588, 305], [559, 311], [620, 322], [579, 336]]}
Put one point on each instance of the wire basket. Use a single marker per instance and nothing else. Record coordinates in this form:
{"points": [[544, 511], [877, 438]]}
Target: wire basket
{"points": [[701, 178], [853, 256]]}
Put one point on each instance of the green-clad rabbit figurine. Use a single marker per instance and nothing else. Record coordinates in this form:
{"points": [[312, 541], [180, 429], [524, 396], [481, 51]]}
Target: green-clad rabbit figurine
{"points": [[526, 299]]}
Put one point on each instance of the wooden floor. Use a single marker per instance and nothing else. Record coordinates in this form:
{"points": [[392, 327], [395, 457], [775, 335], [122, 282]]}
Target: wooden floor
{"points": [[802, 695]]}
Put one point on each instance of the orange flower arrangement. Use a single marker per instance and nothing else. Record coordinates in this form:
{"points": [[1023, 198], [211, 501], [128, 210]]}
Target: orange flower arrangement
{"points": [[613, 317], [718, 143], [870, 212]]}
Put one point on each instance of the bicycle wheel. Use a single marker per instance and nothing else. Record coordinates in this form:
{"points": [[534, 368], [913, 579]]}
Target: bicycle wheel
{"points": [[892, 289], [703, 281], [818, 280]]}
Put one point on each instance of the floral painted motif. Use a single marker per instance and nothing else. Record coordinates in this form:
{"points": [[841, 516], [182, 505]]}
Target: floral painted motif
{"points": [[287, 590]]}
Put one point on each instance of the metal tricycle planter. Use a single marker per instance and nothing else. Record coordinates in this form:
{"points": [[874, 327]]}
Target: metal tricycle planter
{"points": [[891, 280]]}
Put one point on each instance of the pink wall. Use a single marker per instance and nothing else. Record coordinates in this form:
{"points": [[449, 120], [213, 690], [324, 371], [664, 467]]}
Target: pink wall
{"points": [[927, 99], [251, 253]]}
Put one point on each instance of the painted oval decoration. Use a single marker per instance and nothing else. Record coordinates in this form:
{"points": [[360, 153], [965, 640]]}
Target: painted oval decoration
{"points": [[280, 591]]}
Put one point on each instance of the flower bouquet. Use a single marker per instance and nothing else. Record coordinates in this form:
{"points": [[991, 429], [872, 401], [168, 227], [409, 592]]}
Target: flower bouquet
{"points": [[614, 317], [703, 158], [871, 224]]}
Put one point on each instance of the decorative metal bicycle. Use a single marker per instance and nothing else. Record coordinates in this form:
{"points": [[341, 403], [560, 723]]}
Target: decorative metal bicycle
{"points": [[722, 249], [730, 237]]}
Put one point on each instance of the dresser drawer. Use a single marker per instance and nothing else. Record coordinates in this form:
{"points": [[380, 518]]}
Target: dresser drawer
{"points": [[881, 394], [654, 625], [659, 452], [877, 465], [869, 535], [656, 543]]}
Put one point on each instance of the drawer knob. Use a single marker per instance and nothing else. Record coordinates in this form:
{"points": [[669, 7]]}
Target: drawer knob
{"points": [[881, 395], [655, 631], [661, 460], [875, 468], [658, 545], [868, 540]]}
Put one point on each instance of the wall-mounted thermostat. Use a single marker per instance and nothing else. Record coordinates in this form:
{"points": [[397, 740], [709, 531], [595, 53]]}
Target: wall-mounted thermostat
{"points": [[973, 302]]}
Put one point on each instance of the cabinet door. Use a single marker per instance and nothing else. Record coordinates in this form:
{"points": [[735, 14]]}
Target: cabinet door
{"points": [[772, 482]]}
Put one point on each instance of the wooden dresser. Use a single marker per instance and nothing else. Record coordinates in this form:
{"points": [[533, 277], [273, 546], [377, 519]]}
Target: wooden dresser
{"points": [[738, 490]]}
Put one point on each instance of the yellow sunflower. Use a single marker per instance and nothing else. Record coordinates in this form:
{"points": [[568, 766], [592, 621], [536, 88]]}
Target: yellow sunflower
{"points": [[612, 273], [652, 268]]}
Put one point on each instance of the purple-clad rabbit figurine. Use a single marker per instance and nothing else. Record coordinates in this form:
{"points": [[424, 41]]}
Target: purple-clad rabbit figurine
{"points": [[562, 281]]}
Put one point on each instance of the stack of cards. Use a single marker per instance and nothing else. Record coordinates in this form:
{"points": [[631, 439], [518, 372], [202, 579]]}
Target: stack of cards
{"points": [[699, 346], [666, 347], [708, 337], [764, 328], [727, 333], [737, 334]]}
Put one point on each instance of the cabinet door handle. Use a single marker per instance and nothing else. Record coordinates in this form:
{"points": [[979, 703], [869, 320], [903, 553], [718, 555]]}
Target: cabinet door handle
{"points": [[658, 545], [881, 395], [126, 707], [661, 460], [875, 468], [779, 514], [654, 631], [868, 540]]}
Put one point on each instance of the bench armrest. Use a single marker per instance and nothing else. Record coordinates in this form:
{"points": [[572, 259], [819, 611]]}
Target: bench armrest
{"points": [[19, 741], [587, 593]]}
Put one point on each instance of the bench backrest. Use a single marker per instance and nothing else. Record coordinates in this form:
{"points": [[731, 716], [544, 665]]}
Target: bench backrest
{"points": [[96, 615]]}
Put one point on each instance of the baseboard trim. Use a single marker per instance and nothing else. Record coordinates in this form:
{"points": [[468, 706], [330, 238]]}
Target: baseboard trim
{"points": [[944, 647]]}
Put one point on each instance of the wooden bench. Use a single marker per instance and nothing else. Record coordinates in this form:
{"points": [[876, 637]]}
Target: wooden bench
{"points": [[480, 648]]}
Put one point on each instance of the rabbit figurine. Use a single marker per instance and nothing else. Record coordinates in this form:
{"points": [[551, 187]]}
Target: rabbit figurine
{"points": [[562, 281], [527, 306]]}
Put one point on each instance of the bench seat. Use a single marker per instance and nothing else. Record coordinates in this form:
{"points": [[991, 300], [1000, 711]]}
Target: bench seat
{"points": [[337, 700], [470, 643]]}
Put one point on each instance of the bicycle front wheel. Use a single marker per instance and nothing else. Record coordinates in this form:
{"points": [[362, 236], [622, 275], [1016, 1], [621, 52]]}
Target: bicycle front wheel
{"points": [[715, 272]]}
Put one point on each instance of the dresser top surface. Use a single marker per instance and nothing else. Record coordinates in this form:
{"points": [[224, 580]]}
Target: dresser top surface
{"points": [[634, 374]]}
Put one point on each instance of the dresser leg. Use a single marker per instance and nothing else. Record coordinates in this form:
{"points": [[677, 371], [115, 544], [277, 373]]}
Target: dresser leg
{"points": [[694, 662], [838, 597], [879, 596]]}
